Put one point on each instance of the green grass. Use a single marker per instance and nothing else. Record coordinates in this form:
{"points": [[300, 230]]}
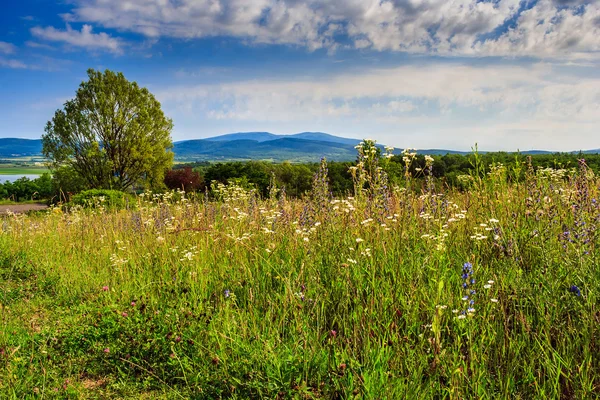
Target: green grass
{"points": [[18, 170], [248, 298], [8, 202]]}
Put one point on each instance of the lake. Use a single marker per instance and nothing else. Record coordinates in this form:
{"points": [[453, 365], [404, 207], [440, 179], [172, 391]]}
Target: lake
{"points": [[12, 178]]}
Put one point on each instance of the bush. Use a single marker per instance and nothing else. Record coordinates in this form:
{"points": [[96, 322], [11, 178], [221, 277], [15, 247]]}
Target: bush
{"points": [[109, 199], [66, 182], [184, 178]]}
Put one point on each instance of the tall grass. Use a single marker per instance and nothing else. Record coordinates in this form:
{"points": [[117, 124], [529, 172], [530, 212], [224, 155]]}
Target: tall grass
{"points": [[392, 293]]}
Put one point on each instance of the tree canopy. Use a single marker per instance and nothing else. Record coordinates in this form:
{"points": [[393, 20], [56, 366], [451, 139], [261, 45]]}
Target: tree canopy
{"points": [[113, 134]]}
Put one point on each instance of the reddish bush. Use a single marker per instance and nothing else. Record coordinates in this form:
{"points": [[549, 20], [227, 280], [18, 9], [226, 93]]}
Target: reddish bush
{"points": [[184, 178]]}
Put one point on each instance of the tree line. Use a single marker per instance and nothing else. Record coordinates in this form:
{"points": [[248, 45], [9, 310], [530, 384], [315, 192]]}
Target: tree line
{"points": [[297, 178]]}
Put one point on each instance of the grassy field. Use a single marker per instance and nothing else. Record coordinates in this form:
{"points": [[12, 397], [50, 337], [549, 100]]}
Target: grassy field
{"points": [[11, 169], [392, 293]]}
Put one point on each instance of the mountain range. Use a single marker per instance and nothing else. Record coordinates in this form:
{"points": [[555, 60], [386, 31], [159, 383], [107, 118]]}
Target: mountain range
{"points": [[300, 147]]}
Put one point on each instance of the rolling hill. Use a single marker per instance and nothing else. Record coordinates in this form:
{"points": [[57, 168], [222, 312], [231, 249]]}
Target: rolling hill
{"points": [[299, 147], [266, 136], [11, 147], [287, 148]]}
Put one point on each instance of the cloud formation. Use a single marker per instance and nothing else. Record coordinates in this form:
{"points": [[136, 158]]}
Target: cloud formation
{"points": [[549, 28], [539, 99], [547, 31], [10, 63], [7, 48], [85, 38]]}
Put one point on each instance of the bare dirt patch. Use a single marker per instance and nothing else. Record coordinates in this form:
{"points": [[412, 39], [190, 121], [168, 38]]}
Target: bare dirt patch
{"points": [[22, 208], [91, 384]]}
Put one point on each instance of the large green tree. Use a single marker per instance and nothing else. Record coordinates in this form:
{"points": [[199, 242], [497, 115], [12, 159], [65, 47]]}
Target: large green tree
{"points": [[113, 134]]}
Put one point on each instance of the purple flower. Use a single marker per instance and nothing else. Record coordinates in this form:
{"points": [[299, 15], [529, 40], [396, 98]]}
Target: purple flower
{"points": [[575, 290], [227, 293]]}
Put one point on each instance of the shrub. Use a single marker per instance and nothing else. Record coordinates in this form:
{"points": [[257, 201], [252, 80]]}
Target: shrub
{"points": [[109, 199], [183, 178]]}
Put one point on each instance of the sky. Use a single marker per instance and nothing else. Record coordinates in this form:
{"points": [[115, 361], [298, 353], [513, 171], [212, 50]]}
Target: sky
{"points": [[505, 74]]}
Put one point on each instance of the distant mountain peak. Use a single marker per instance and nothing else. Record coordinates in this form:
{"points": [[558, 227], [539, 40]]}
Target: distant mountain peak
{"points": [[267, 136]]}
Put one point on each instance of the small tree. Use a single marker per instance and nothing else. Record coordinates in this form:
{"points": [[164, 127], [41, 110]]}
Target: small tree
{"points": [[184, 178], [113, 134]]}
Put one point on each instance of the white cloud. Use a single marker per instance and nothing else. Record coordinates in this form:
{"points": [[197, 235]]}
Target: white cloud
{"points": [[454, 105], [36, 45], [554, 29], [547, 31], [7, 48], [10, 63], [84, 38]]}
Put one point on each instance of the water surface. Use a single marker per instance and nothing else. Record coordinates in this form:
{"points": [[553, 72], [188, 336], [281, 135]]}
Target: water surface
{"points": [[12, 178]]}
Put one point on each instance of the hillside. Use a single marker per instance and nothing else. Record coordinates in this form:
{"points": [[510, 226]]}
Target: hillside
{"points": [[299, 147], [266, 136], [11, 147], [282, 149]]}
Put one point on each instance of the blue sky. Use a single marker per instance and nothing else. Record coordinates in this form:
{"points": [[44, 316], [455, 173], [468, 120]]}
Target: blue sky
{"points": [[507, 74]]}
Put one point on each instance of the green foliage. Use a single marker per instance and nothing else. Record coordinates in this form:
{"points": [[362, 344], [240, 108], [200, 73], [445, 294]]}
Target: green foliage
{"points": [[107, 199], [67, 182], [315, 297], [113, 134], [245, 298], [28, 189], [296, 178]]}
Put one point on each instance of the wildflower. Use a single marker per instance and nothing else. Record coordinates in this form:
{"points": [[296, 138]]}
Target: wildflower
{"points": [[494, 300], [107, 350], [133, 304], [462, 316], [227, 293], [105, 288], [333, 333], [575, 290], [487, 286], [124, 314], [359, 240], [468, 281]]}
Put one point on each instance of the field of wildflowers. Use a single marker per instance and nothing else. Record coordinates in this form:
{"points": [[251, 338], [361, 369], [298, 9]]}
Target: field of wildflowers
{"points": [[394, 292]]}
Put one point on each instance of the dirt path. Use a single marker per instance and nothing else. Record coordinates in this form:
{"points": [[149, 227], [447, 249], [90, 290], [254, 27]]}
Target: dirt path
{"points": [[22, 208]]}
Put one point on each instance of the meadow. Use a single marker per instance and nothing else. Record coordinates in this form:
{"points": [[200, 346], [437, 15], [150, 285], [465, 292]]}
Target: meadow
{"points": [[412, 291], [20, 168]]}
